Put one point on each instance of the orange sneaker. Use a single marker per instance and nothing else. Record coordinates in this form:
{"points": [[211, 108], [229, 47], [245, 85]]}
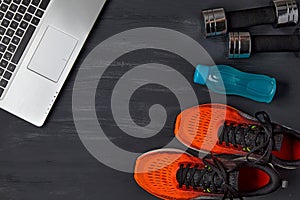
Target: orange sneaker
{"points": [[221, 129], [174, 174]]}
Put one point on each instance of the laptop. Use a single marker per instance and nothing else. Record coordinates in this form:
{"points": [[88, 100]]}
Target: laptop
{"points": [[39, 43]]}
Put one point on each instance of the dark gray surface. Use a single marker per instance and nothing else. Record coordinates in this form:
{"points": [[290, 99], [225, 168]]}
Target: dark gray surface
{"points": [[51, 163]]}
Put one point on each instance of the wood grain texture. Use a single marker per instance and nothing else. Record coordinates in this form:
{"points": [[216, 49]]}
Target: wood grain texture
{"points": [[50, 163]]}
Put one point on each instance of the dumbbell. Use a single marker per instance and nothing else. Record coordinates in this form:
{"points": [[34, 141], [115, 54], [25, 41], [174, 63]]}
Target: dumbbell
{"points": [[218, 22], [243, 44]]}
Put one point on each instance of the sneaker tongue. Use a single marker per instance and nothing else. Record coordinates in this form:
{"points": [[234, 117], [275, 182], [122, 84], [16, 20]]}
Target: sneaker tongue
{"points": [[278, 138], [234, 179]]}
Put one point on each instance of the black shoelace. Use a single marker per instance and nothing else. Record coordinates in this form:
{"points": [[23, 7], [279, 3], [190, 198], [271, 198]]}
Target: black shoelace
{"points": [[212, 179], [254, 139]]}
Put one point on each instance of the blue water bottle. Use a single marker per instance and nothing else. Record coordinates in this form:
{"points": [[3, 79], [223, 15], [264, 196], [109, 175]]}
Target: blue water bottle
{"points": [[224, 79]]}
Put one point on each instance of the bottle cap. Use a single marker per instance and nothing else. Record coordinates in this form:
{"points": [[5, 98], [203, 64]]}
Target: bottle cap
{"points": [[201, 74]]}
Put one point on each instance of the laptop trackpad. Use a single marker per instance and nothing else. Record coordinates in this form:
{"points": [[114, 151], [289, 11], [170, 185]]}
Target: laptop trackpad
{"points": [[52, 54]]}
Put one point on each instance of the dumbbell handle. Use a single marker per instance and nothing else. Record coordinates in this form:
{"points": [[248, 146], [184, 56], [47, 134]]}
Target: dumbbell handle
{"points": [[275, 43], [218, 22], [242, 44], [251, 17]]}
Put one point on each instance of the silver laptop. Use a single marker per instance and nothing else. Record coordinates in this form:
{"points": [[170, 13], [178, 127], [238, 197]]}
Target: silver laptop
{"points": [[39, 42]]}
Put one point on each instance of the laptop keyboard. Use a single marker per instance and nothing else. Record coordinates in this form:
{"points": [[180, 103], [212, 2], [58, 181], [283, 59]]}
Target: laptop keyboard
{"points": [[18, 22]]}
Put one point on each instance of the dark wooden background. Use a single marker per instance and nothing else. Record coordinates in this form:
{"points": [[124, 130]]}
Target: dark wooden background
{"points": [[50, 163]]}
